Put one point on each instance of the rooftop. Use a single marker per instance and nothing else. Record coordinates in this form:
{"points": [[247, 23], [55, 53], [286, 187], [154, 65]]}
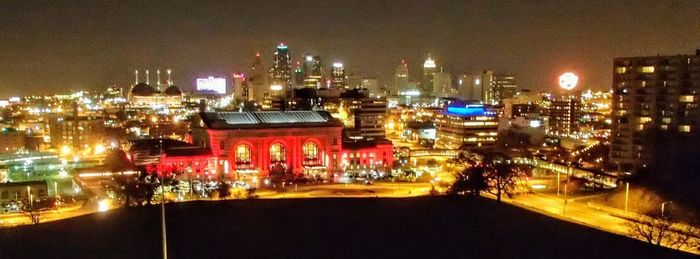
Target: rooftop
{"points": [[268, 119]]}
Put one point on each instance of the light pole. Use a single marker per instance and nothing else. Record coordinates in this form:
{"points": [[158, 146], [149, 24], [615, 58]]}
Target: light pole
{"points": [[663, 207], [162, 206], [627, 194], [558, 182]]}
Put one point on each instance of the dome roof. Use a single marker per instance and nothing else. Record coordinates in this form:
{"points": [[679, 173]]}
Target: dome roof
{"points": [[142, 89], [172, 90]]}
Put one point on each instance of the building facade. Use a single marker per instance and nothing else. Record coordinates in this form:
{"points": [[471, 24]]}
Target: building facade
{"points": [[564, 116], [271, 144], [655, 95], [466, 126]]}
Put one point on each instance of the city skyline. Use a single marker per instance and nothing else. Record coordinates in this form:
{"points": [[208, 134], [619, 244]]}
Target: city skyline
{"points": [[90, 46]]}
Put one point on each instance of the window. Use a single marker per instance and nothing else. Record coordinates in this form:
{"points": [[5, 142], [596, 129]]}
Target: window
{"points": [[243, 154], [277, 153], [684, 128], [621, 70], [310, 150], [686, 98], [648, 69]]}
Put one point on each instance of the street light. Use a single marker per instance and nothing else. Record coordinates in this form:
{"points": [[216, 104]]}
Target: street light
{"points": [[663, 207]]}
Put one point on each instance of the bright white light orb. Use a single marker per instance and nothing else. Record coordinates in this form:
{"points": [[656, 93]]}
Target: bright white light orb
{"points": [[568, 80]]}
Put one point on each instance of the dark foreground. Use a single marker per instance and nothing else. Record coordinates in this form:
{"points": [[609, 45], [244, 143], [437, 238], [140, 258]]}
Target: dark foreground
{"points": [[323, 228]]}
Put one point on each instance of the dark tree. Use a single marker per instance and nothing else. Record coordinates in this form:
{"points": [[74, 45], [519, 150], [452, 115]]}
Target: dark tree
{"points": [[470, 180], [503, 178], [224, 190]]}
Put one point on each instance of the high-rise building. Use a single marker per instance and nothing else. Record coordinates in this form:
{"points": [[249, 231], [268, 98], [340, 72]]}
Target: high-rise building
{"points": [[564, 115], [366, 114], [338, 80], [372, 86], [655, 113], [498, 86], [240, 88], [401, 77], [429, 70], [442, 84], [470, 87], [298, 76], [281, 70], [313, 72], [257, 81]]}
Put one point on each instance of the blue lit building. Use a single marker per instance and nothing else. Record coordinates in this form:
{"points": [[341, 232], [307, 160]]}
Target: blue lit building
{"points": [[466, 125]]}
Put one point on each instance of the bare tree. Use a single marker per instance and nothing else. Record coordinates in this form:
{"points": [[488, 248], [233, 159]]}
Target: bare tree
{"points": [[652, 229], [503, 178], [663, 231]]}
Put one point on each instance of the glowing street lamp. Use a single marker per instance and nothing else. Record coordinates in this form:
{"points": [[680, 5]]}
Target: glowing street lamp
{"points": [[568, 80]]}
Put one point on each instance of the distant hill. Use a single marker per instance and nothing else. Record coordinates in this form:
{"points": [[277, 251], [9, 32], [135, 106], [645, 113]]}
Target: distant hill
{"points": [[430, 227]]}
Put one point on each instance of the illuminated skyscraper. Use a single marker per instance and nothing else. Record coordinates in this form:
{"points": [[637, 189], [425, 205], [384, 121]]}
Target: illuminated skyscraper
{"points": [[338, 80], [281, 70], [442, 84], [401, 77], [257, 82], [470, 87], [313, 71], [298, 75], [497, 87], [429, 70]]}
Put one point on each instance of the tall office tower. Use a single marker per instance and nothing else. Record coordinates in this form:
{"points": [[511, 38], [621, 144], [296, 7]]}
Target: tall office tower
{"points": [[338, 80], [470, 88], [313, 72], [257, 80], [372, 86], [281, 70], [487, 84], [401, 77], [429, 70], [442, 84], [366, 114], [655, 114], [298, 76], [564, 115], [504, 86], [240, 91]]}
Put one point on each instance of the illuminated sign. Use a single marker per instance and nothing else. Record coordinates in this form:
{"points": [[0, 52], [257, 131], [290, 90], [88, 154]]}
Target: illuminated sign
{"points": [[215, 84], [467, 110]]}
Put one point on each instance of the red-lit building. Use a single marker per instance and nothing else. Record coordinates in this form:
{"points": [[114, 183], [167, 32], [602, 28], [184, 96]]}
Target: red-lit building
{"points": [[279, 143], [271, 143]]}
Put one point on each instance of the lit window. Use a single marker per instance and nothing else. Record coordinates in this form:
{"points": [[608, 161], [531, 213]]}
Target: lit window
{"points": [[621, 70], [686, 98], [310, 150], [684, 128], [648, 69], [243, 154], [277, 153]]}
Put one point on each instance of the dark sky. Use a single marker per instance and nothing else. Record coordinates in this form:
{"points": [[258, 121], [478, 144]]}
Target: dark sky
{"points": [[55, 46]]}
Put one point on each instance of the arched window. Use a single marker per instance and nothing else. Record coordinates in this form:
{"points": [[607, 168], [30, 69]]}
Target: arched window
{"points": [[243, 154], [310, 150], [277, 153]]}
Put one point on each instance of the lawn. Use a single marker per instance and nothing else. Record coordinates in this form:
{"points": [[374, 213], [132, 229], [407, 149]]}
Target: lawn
{"points": [[429, 227]]}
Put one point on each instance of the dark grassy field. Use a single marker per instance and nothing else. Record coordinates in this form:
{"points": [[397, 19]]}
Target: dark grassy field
{"points": [[323, 228]]}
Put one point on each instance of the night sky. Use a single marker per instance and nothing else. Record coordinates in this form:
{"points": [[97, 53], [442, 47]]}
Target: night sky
{"points": [[52, 47]]}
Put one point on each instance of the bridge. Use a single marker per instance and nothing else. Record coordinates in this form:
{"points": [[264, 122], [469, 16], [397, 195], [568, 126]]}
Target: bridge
{"points": [[606, 180], [451, 153]]}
